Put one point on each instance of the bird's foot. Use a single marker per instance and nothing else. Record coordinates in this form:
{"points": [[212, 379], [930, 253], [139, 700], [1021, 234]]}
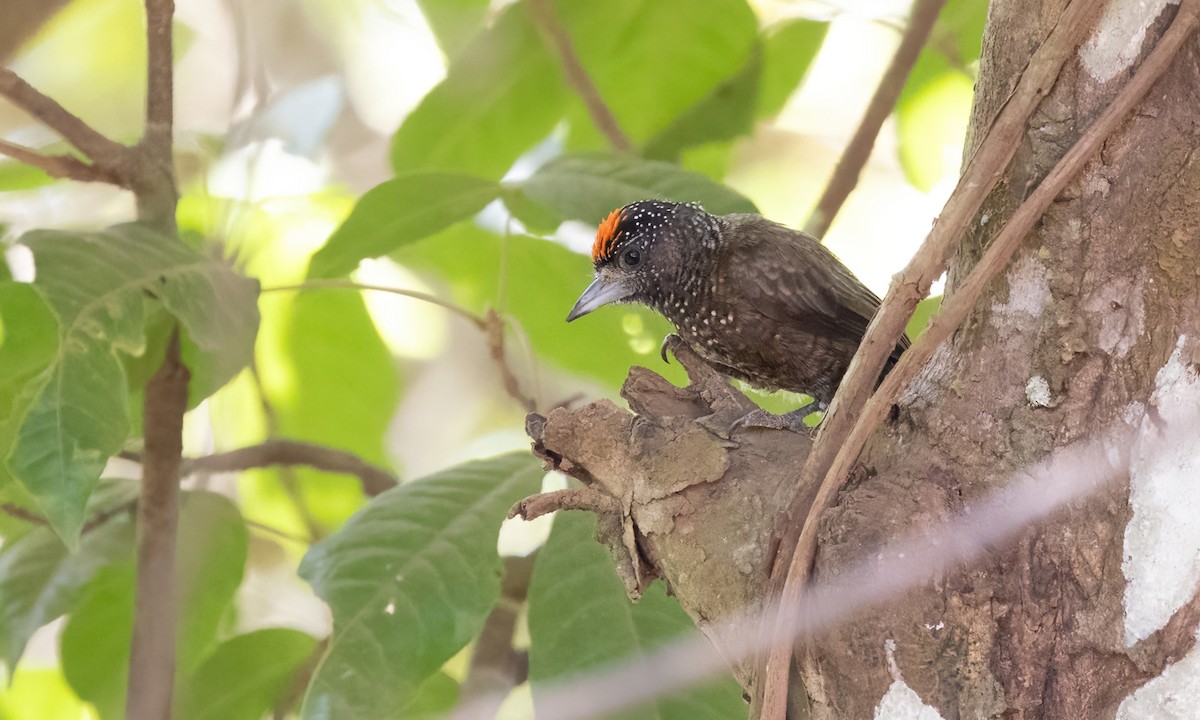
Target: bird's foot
{"points": [[793, 420]]}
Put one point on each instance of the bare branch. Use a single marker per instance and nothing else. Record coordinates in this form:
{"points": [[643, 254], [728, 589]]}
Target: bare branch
{"points": [[58, 166], [159, 85], [858, 150], [91, 143], [20, 513], [293, 452], [841, 441], [492, 325], [547, 22], [495, 337], [152, 654]]}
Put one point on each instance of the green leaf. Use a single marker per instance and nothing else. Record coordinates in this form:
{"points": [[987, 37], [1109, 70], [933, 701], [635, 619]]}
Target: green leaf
{"points": [[589, 186], [399, 211], [932, 114], [95, 640], [790, 50], [726, 113], [40, 694], [19, 176], [304, 346], [209, 561], [97, 285], [500, 97], [925, 311], [410, 580], [958, 33], [245, 676], [28, 347], [542, 280], [454, 22], [40, 579], [652, 59], [580, 618], [435, 699]]}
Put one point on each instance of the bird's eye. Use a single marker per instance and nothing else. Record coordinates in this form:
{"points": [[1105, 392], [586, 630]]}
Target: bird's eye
{"points": [[631, 258]]}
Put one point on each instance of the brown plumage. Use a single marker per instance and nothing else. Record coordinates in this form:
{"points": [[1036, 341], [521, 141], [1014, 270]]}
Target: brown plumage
{"points": [[756, 300]]}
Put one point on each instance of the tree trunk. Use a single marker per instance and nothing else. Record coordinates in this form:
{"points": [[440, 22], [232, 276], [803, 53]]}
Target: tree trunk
{"points": [[1099, 310], [1094, 324]]}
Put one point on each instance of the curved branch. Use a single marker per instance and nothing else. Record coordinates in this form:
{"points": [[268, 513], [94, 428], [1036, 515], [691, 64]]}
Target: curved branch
{"points": [[91, 143], [58, 166], [858, 150], [544, 17], [294, 452]]}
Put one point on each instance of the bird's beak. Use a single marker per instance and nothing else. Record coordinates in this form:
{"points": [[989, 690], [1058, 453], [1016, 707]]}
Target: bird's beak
{"points": [[602, 291]]}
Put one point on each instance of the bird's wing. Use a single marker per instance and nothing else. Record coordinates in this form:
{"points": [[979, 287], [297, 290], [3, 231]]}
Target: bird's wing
{"points": [[787, 275]]}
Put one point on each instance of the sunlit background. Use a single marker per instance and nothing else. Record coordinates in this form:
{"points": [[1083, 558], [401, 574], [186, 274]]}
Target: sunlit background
{"points": [[285, 112]]}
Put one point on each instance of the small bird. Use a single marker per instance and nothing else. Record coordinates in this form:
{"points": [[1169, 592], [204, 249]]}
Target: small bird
{"points": [[755, 300]]}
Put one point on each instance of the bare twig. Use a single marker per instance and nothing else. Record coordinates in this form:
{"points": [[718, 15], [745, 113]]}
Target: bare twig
{"points": [[287, 477], [495, 336], [152, 654], [337, 284], [858, 150], [496, 666], [20, 513], [293, 452], [492, 325], [547, 22], [160, 93], [58, 166], [54, 116], [839, 444]]}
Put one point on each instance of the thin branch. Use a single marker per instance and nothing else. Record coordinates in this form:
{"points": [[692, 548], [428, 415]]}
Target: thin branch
{"points": [[160, 95], [152, 652], [58, 166], [20, 513], [547, 22], [841, 441], [287, 478], [91, 143], [293, 452], [495, 337], [336, 284], [492, 325], [858, 150]]}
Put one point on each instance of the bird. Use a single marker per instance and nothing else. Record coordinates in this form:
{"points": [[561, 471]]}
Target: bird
{"points": [[754, 299]]}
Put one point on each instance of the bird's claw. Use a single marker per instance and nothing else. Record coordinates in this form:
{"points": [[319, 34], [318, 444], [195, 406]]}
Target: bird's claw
{"points": [[669, 341], [793, 421]]}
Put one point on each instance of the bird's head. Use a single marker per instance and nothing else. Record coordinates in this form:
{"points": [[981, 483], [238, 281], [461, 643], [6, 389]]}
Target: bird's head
{"points": [[647, 250]]}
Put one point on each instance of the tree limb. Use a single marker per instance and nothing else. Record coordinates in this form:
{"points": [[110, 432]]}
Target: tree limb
{"points": [[547, 22], [858, 150], [294, 452], [982, 172], [151, 176], [58, 166], [152, 653], [91, 143], [838, 446]]}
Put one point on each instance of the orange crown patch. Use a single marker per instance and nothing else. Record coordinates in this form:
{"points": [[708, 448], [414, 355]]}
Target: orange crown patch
{"points": [[606, 235]]}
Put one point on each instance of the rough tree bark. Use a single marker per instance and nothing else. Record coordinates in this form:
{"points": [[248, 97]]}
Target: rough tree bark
{"points": [[1094, 323]]}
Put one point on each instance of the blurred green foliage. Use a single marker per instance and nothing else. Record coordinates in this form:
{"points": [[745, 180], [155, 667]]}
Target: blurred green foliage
{"points": [[491, 169]]}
